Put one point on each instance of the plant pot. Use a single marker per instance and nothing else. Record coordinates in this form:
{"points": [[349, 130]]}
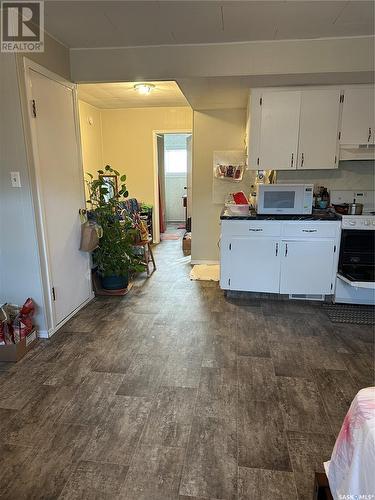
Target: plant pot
{"points": [[114, 282]]}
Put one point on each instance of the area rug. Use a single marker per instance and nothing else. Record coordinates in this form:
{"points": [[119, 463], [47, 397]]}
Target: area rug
{"points": [[170, 236], [350, 313], [205, 272]]}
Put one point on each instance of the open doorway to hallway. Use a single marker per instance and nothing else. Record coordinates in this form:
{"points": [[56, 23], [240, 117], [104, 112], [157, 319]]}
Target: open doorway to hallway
{"points": [[173, 174]]}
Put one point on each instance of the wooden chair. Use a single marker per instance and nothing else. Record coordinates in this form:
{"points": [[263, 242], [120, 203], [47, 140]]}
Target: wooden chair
{"points": [[148, 256]]}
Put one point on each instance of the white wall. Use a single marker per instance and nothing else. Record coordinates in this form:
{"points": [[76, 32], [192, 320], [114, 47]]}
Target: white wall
{"points": [[276, 57]]}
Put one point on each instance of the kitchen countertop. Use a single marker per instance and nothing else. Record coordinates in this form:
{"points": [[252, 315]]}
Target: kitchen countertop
{"points": [[317, 215]]}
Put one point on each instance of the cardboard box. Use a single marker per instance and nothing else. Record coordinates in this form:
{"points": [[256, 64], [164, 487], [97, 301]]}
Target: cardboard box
{"points": [[14, 352]]}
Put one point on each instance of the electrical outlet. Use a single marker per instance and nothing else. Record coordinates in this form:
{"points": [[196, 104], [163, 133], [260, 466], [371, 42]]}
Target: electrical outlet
{"points": [[15, 179]]}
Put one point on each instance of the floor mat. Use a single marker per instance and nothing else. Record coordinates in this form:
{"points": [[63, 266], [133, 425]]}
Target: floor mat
{"points": [[205, 272], [350, 313], [170, 236], [181, 226]]}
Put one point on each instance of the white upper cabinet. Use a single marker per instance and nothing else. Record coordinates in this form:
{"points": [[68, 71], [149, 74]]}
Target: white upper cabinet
{"points": [[318, 129], [358, 121], [279, 130], [300, 127]]}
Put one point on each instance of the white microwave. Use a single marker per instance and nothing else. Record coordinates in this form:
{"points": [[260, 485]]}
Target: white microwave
{"points": [[281, 199]]}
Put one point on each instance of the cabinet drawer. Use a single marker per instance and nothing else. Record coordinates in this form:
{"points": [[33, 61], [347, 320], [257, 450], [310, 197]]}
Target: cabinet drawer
{"points": [[310, 229], [250, 228]]}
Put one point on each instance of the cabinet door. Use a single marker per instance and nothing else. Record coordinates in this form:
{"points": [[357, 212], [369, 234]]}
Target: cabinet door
{"points": [[279, 130], [319, 128], [358, 116], [307, 266], [254, 264]]}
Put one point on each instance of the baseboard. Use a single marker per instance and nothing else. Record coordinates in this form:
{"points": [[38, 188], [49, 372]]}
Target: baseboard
{"points": [[47, 334], [207, 262]]}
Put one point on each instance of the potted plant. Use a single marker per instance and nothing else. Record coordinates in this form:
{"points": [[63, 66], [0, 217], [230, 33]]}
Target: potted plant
{"points": [[114, 257]]}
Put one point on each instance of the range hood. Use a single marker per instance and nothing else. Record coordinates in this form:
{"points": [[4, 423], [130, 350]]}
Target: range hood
{"points": [[357, 152]]}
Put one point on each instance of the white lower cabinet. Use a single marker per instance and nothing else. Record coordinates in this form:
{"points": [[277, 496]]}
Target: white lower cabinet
{"points": [[304, 265], [251, 264]]}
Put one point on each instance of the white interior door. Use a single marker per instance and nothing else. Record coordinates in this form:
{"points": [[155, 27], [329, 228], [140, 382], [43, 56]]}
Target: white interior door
{"points": [[358, 116], [306, 266], [61, 192], [279, 130], [254, 264], [319, 127]]}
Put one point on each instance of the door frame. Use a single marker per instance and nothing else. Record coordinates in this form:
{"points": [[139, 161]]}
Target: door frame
{"points": [[155, 218], [37, 198]]}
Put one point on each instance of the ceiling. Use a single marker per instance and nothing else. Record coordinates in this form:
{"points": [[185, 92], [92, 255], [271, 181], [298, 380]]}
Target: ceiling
{"points": [[83, 24], [123, 95]]}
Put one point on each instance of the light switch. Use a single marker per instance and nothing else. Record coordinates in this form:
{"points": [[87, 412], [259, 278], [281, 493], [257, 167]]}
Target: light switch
{"points": [[15, 179]]}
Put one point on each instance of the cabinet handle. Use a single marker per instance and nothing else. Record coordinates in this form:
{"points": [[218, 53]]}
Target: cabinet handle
{"points": [[302, 159], [292, 160], [286, 249], [309, 230], [277, 249], [369, 134], [252, 229]]}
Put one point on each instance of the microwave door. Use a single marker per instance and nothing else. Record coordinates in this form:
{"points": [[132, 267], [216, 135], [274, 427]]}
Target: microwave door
{"points": [[279, 201]]}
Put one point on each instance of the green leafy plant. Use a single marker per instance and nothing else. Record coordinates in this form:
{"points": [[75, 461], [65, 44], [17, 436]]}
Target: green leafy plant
{"points": [[115, 255]]}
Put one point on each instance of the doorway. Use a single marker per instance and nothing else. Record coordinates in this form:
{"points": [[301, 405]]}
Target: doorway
{"points": [[173, 179]]}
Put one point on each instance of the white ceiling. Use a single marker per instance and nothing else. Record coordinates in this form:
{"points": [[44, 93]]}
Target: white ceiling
{"points": [[82, 24], [123, 95]]}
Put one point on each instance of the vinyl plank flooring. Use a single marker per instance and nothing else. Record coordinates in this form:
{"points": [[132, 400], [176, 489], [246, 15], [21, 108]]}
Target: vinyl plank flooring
{"points": [[170, 418], [302, 406], [217, 393], [262, 441], [256, 379], [288, 360], [210, 468], [220, 351], [154, 473], [261, 484], [361, 368], [182, 370], [92, 398], [337, 390], [143, 376], [94, 481], [317, 355], [35, 423], [45, 474], [307, 453], [116, 436]]}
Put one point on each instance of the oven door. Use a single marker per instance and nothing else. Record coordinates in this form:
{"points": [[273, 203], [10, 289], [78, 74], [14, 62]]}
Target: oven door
{"points": [[280, 199], [357, 258]]}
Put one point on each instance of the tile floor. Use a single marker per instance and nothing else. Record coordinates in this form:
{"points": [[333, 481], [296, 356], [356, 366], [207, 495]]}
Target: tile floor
{"points": [[175, 392]]}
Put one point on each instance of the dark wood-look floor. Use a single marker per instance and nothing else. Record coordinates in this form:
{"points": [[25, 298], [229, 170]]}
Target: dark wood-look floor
{"points": [[175, 392]]}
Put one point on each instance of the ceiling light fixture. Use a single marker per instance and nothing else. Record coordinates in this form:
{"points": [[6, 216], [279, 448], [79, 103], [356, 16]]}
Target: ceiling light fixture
{"points": [[144, 88]]}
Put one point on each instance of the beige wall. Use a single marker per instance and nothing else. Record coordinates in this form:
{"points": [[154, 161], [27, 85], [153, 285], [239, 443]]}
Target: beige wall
{"points": [[128, 143], [91, 137], [213, 130]]}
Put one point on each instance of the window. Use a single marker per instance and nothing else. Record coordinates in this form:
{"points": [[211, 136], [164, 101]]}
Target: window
{"points": [[175, 161]]}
